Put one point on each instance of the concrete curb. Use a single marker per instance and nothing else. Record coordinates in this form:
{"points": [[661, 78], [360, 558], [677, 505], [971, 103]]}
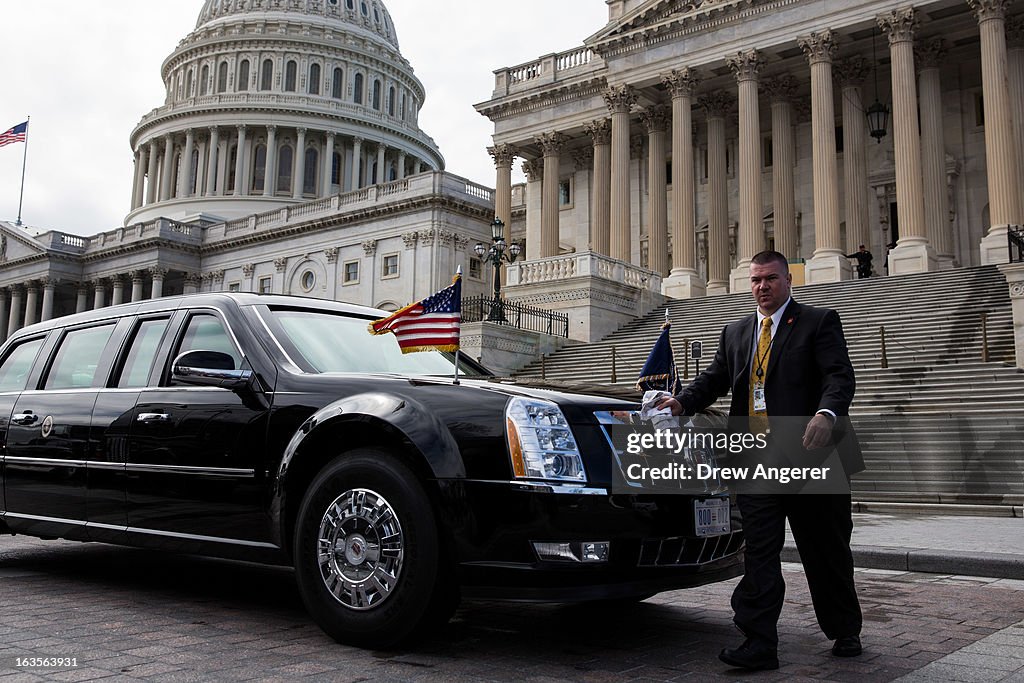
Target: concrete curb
{"points": [[958, 562]]}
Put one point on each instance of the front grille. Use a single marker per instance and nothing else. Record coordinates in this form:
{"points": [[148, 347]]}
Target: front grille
{"points": [[678, 551]]}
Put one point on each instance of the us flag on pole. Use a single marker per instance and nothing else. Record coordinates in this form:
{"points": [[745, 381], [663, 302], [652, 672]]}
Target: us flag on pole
{"points": [[14, 134], [426, 325]]}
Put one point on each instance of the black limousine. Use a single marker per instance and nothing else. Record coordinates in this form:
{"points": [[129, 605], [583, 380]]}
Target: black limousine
{"points": [[277, 429]]}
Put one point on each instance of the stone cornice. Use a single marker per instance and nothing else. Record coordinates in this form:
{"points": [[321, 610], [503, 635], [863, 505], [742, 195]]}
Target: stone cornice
{"points": [[514, 105]]}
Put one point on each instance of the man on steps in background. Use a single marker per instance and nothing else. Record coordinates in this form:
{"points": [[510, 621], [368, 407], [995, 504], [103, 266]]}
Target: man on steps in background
{"points": [[787, 361]]}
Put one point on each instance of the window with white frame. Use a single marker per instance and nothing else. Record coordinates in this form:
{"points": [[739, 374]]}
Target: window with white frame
{"points": [[350, 273], [266, 285], [389, 266]]}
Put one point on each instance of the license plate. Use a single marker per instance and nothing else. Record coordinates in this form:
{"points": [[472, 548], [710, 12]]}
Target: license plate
{"points": [[711, 516]]}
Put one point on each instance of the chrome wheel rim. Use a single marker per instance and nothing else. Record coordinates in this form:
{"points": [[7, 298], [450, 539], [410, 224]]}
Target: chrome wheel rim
{"points": [[360, 549]]}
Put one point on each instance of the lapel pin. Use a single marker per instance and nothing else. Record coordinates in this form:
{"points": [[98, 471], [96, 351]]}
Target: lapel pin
{"points": [[790, 321]]}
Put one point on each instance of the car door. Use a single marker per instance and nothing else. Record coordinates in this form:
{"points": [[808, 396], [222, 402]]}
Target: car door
{"points": [[196, 467], [106, 476], [47, 444], [15, 369]]}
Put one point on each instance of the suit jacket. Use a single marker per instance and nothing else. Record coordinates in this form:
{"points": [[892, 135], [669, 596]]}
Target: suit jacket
{"points": [[808, 369]]}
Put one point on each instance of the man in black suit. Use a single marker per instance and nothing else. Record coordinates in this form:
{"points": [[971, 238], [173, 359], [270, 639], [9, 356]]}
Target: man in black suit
{"points": [[787, 364]]}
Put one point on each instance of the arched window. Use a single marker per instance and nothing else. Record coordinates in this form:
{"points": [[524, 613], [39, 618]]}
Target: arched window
{"points": [[222, 77], [232, 164], [376, 94], [309, 174], [365, 9], [193, 173], [243, 76], [204, 77], [351, 4], [402, 115], [336, 84], [336, 169], [267, 75], [392, 173], [188, 84], [290, 72], [314, 79], [284, 168], [357, 89], [259, 168], [391, 101]]}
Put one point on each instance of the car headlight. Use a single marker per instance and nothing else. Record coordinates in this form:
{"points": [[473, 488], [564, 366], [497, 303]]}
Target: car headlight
{"points": [[540, 442]]}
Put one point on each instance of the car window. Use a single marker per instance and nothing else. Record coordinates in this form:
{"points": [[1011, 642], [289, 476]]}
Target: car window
{"points": [[77, 358], [338, 343], [207, 333], [142, 352], [15, 368]]}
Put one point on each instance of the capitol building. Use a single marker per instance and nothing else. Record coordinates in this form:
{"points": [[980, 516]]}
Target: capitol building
{"points": [[661, 152], [286, 157]]}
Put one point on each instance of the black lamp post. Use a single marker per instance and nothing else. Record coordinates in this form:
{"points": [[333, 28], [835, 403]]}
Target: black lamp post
{"points": [[877, 113], [498, 252]]}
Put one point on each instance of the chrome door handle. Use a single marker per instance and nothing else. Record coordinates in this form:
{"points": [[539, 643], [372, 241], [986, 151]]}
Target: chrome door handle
{"points": [[152, 417], [25, 418]]}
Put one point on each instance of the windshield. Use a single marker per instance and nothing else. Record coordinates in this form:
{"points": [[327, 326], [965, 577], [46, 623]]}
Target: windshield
{"points": [[330, 342]]}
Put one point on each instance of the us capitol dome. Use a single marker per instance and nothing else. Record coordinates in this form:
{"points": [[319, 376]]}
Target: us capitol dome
{"points": [[271, 103]]}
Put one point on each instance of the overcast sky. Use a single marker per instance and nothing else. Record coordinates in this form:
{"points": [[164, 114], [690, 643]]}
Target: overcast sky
{"points": [[86, 72]]}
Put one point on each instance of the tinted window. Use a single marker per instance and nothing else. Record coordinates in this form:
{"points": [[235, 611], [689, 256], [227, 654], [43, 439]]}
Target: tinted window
{"points": [[206, 333], [78, 357], [142, 352], [15, 368]]}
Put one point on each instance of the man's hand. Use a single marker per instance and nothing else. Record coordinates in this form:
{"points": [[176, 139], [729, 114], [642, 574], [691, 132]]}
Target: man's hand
{"points": [[818, 433], [669, 402]]}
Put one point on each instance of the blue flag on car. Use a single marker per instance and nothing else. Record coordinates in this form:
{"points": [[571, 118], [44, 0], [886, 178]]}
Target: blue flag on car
{"points": [[659, 372]]}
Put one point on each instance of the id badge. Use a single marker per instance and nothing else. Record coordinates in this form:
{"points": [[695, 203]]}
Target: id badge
{"points": [[759, 404]]}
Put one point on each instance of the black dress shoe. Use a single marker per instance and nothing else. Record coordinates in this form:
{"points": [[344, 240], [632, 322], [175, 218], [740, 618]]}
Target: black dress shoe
{"points": [[848, 646], [751, 654]]}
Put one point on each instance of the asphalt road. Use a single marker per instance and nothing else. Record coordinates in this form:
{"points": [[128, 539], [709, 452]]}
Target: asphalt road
{"points": [[124, 614]]}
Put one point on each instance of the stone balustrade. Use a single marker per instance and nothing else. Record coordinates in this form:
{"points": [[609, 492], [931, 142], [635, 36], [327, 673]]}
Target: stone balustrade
{"points": [[582, 264], [545, 70]]}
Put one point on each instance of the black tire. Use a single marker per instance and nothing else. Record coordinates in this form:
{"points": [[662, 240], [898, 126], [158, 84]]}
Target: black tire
{"points": [[377, 584]]}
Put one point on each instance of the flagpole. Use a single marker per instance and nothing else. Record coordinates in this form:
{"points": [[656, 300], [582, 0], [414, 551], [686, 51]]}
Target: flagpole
{"points": [[24, 158], [458, 274]]}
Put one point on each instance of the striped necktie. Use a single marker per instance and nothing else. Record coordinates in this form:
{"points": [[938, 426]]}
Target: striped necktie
{"points": [[758, 373]]}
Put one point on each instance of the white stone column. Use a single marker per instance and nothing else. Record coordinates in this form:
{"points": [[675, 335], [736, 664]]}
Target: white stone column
{"points": [[270, 175], [185, 186], [168, 168], [357, 153], [750, 238], [241, 174], [551, 143], [116, 290], [829, 262], [211, 162], [401, 165], [99, 293], [14, 322], [684, 281], [139, 179], [192, 283], [503, 156], [783, 91], [4, 315], [81, 299], [157, 289], [1000, 148], [620, 99], [151, 172], [717, 106], [382, 175], [31, 303], [930, 57], [913, 252], [600, 132], [48, 286], [1015, 78], [299, 164], [533, 170], [850, 74], [137, 281], [417, 166], [328, 165], [655, 121]]}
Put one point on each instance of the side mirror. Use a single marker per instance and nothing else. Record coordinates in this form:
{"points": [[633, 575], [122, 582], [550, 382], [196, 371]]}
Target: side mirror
{"points": [[210, 369]]}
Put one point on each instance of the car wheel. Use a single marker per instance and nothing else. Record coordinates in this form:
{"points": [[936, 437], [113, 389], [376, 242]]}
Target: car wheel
{"points": [[366, 550]]}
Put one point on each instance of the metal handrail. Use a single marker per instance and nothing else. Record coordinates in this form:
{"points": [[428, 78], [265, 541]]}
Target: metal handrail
{"points": [[518, 315], [1015, 242]]}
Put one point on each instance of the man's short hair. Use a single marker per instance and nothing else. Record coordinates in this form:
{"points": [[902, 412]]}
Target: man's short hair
{"points": [[763, 258], [861, 246]]}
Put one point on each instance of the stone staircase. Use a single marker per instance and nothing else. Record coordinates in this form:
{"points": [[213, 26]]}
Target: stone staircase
{"points": [[938, 425]]}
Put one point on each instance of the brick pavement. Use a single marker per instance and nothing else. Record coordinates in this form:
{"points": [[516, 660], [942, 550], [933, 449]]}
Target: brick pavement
{"points": [[128, 615]]}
